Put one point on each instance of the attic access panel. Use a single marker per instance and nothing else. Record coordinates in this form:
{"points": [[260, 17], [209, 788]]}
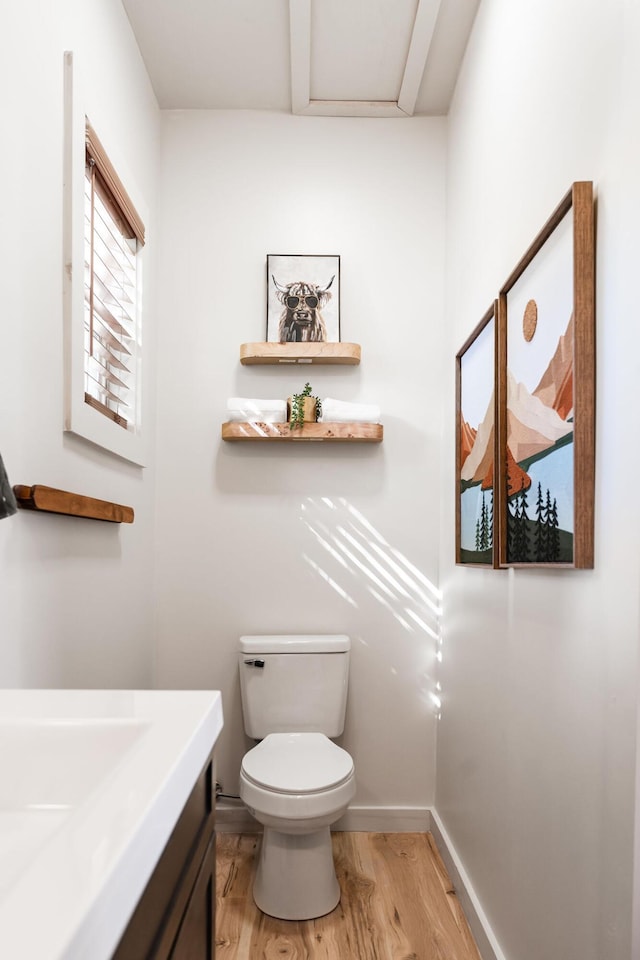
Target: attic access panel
{"points": [[370, 65], [358, 52]]}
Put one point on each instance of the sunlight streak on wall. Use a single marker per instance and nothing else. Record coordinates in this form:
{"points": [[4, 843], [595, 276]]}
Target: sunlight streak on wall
{"points": [[379, 571], [332, 583], [394, 613]]}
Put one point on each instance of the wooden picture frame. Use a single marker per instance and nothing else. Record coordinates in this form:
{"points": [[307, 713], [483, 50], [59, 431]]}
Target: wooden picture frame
{"points": [[303, 298], [546, 394], [476, 446]]}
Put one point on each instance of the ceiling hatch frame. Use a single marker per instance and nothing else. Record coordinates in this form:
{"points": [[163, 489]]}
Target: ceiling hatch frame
{"points": [[300, 41]]}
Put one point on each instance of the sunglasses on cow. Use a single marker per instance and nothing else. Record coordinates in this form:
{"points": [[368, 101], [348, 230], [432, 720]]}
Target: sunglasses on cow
{"points": [[310, 300]]}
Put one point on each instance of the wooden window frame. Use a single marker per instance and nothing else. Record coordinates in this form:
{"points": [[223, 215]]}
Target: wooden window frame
{"points": [[110, 325]]}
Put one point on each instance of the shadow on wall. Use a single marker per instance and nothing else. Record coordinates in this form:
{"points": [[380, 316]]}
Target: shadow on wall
{"points": [[357, 562]]}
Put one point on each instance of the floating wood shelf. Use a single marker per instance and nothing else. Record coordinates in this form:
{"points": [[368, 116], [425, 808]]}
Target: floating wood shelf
{"points": [[344, 432], [50, 500], [345, 353]]}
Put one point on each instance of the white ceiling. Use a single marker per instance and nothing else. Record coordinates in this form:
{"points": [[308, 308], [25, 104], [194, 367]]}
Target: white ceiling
{"points": [[319, 57]]}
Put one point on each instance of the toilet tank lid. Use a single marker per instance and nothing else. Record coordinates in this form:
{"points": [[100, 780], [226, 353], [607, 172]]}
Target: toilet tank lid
{"points": [[296, 643]]}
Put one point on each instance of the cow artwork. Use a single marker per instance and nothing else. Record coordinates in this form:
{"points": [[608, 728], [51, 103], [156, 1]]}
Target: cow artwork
{"points": [[301, 320]]}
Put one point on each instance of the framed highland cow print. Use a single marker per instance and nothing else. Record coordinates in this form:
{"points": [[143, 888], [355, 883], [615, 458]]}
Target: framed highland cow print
{"points": [[303, 298], [476, 445], [546, 388]]}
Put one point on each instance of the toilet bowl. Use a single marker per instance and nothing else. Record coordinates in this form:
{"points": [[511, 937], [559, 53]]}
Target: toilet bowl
{"points": [[296, 781], [296, 785]]}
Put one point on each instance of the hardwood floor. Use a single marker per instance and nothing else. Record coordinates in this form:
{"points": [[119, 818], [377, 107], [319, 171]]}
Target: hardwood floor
{"points": [[397, 904]]}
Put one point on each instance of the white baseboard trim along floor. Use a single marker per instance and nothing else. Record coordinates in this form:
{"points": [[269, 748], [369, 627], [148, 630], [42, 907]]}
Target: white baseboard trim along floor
{"points": [[233, 817], [476, 917]]}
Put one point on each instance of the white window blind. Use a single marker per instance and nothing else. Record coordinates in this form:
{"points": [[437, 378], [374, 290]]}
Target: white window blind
{"points": [[113, 233]]}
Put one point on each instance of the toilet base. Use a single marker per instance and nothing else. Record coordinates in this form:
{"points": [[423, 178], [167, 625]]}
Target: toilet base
{"points": [[296, 877]]}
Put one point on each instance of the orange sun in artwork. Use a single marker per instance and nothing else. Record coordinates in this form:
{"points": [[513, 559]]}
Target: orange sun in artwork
{"points": [[530, 320]]}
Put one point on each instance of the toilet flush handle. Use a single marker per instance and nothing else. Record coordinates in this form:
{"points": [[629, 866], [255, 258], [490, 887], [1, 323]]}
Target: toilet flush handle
{"points": [[255, 663]]}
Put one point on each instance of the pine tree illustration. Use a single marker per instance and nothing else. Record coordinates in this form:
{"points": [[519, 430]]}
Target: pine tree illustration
{"points": [[490, 544], [541, 527], [554, 533], [512, 526], [548, 511], [514, 544], [517, 540], [477, 535], [484, 534], [526, 555], [521, 532]]}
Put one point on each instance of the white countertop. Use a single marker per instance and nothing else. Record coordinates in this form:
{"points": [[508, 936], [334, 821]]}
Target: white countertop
{"points": [[91, 785]]}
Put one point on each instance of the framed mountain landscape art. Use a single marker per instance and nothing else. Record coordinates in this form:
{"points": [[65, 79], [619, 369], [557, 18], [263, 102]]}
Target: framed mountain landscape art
{"points": [[546, 388], [476, 445]]}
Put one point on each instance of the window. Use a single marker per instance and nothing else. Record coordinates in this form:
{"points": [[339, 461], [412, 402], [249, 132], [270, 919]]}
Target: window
{"points": [[104, 259], [113, 235]]}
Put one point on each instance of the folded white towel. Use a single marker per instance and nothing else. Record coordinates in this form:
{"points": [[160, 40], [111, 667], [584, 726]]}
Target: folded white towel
{"points": [[248, 408], [266, 416], [341, 411]]}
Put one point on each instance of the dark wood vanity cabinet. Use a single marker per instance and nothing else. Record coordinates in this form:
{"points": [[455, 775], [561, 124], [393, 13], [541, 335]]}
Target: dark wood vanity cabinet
{"points": [[175, 917]]}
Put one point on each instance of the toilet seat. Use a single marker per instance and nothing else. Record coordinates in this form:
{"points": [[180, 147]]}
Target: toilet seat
{"points": [[297, 764]]}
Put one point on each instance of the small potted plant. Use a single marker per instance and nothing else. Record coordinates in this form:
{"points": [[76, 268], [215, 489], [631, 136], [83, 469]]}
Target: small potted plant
{"points": [[303, 408]]}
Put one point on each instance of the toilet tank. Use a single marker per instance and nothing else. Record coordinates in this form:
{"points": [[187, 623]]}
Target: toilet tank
{"points": [[294, 684]]}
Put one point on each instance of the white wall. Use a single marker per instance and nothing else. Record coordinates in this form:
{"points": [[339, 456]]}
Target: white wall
{"points": [[536, 744], [256, 538], [62, 580]]}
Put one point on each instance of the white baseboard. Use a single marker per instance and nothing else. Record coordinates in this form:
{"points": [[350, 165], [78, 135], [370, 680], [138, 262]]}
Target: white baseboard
{"points": [[384, 820], [235, 818], [480, 928]]}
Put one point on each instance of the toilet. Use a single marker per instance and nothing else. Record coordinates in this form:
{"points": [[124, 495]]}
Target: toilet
{"points": [[296, 781]]}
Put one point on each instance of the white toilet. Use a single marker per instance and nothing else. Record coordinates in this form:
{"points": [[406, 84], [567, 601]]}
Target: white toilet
{"points": [[296, 782]]}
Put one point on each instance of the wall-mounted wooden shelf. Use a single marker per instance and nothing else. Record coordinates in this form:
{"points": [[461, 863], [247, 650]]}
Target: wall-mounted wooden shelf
{"points": [[344, 432], [344, 353], [50, 500]]}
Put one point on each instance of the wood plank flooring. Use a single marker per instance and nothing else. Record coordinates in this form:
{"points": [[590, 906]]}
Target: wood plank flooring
{"points": [[397, 904]]}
